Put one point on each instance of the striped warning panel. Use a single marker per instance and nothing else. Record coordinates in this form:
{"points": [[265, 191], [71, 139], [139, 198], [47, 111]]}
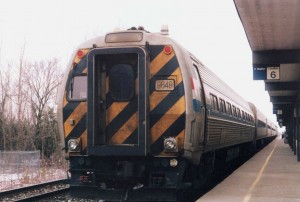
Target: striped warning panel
{"points": [[167, 108], [74, 112], [122, 121]]}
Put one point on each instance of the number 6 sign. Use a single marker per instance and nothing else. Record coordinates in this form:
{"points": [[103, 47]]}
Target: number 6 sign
{"points": [[273, 73]]}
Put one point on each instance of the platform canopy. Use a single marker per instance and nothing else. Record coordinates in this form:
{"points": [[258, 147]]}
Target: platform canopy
{"points": [[273, 31]]}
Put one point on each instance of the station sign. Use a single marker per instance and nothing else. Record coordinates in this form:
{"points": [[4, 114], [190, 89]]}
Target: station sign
{"points": [[261, 72], [273, 73]]}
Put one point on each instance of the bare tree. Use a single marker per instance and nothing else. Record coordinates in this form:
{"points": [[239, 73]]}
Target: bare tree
{"points": [[20, 86], [20, 120], [42, 80], [27, 98], [5, 95]]}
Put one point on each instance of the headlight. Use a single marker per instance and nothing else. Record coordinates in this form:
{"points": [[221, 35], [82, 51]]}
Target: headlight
{"points": [[170, 144], [74, 145]]}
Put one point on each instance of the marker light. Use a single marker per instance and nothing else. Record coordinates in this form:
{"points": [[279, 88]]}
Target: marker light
{"points": [[80, 54], [192, 83], [168, 50]]}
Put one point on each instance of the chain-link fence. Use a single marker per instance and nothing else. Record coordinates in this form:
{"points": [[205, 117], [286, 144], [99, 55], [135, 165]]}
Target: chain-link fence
{"points": [[18, 166]]}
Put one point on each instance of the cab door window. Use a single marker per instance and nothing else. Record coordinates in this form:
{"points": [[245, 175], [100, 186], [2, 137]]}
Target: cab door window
{"points": [[122, 82]]}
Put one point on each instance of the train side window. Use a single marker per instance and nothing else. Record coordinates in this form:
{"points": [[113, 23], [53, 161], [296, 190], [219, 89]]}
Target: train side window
{"points": [[214, 99], [222, 106], [229, 109], [238, 111], [78, 88], [122, 82], [234, 111], [261, 124], [243, 115]]}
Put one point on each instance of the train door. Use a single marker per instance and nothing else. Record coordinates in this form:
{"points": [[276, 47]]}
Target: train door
{"points": [[117, 102], [199, 108]]}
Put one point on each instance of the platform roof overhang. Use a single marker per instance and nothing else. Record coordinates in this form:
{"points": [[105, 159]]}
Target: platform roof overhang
{"points": [[273, 31]]}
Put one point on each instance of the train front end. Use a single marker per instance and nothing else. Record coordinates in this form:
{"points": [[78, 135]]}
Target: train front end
{"points": [[123, 112]]}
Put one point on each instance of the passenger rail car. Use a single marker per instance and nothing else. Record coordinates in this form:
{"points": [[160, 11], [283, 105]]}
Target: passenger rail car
{"points": [[137, 108]]}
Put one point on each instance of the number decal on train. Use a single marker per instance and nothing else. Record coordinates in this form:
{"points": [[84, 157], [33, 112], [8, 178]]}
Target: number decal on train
{"points": [[165, 85]]}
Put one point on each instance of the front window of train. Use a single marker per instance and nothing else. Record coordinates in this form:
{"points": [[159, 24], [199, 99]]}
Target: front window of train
{"points": [[78, 88]]}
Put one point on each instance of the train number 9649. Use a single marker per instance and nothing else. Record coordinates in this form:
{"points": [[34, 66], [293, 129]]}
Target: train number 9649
{"points": [[165, 85]]}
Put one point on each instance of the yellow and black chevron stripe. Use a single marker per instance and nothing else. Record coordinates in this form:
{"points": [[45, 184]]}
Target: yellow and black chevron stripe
{"points": [[75, 111], [167, 109], [121, 119]]}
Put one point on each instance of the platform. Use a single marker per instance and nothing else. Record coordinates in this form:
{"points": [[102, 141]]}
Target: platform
{"points": [[273, 174]]}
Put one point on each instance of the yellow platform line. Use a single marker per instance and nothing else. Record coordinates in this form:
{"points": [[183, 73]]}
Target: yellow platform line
{"points": [[258, 177]]}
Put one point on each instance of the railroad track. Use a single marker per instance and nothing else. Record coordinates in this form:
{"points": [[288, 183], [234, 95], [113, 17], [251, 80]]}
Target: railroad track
{"points": [[36, 192]]}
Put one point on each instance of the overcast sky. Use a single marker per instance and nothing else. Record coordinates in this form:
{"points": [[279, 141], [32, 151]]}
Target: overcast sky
{"points": [[210, 29]]}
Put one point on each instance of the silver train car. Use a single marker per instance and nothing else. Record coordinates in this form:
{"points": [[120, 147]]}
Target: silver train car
{"points": [[137, 108]]}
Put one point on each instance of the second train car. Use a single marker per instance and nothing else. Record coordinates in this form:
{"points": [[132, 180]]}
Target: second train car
{"points": [[136, 108]]}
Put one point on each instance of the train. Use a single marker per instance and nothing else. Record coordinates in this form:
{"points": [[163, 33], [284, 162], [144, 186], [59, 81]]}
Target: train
{"points": [[136, 109]]}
